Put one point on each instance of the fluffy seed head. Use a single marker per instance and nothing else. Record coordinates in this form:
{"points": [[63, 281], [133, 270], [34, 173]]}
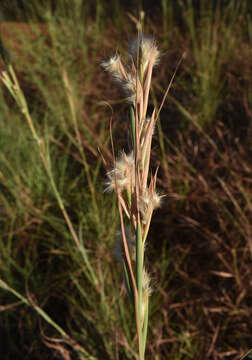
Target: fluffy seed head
{"points": [[115, 66], [156, 201], [148, 50], [149, 201], [126, 75], [147, 290], [146, 282], [112, 65], [134, 91], [123, 174]]}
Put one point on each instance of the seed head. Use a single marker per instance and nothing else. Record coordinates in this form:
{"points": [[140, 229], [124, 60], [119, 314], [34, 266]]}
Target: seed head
{"points": [[147, 290], [148, 49], [132, 89], [112, 65], [149, 201], [115, 66], [146, 282], [123, 174]]}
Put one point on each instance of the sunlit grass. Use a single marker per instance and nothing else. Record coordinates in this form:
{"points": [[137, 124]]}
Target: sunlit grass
{"points": [[56, 286]]}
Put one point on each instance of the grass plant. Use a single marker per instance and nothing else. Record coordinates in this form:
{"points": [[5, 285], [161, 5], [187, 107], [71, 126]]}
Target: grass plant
{"points": [[213, 42], [131, 177], [137, 197], [63, 300]]}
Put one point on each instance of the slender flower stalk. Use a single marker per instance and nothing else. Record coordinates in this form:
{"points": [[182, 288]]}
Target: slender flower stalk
{"points": [[130, 176]]}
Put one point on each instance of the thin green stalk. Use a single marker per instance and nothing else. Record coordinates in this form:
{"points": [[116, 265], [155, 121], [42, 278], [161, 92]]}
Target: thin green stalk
{"points": [[145, 325], [90, 273], [139, 279], [46, 317], [69, 93]]}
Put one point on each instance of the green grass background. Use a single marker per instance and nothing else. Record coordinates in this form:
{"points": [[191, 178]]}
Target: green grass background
{"points": [[61, 301]]}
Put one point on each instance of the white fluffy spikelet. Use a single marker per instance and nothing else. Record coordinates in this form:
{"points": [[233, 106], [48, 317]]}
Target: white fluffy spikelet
{"points": [[147, 290], [112, 65], [148, 202], [115, 66], [148, 49], [123, 174]]}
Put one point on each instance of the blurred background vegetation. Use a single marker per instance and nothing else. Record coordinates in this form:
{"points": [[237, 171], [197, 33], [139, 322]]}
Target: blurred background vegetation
{"points": [[61, 301]]}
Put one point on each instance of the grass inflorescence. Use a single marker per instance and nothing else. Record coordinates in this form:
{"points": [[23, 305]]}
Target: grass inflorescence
{"points": [[61, 287], [131, 179]]}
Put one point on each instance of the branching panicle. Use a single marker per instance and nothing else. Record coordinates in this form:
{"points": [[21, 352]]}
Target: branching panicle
{"points": [[130, 177]]}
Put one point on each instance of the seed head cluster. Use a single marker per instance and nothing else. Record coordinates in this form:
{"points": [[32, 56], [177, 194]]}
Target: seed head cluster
{"points": [[126, 74], [130, 177]]}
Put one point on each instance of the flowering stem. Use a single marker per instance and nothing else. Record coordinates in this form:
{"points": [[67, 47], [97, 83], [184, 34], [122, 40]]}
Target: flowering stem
{"points": [[137, 197], [139, 279], [145, 325], [132, 122]]}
